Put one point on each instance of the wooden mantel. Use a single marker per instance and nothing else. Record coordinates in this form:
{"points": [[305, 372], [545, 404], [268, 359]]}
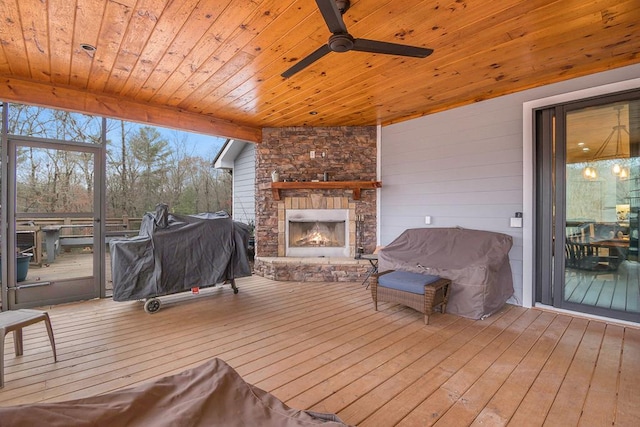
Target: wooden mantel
{"points": [[356, 186]]}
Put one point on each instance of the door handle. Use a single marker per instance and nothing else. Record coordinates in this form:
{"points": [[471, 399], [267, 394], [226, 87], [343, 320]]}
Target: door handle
{"points": [[31, 285]]}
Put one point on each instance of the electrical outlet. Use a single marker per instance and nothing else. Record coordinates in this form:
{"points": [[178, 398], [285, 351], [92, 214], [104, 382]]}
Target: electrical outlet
{"points": [[312, 154]]}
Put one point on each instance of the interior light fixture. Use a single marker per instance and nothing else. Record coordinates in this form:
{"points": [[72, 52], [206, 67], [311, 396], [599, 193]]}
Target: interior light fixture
{"points": [[617, 131], [589, 172]]}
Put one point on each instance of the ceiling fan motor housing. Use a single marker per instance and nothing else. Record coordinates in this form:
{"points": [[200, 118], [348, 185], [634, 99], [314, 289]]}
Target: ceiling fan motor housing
{"points": [[340, 42], [343, 5]]}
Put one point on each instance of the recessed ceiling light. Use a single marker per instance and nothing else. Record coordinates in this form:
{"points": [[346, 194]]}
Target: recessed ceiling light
{"points": [[580, 144], [585, 149], [87, 47], [313, 113]]}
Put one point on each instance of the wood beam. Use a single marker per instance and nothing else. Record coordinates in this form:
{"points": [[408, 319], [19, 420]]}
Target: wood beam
{"points": [[53, 96]]}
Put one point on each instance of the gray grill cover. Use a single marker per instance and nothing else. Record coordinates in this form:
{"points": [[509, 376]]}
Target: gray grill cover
{"points": [[174, 253], [476, 262]]}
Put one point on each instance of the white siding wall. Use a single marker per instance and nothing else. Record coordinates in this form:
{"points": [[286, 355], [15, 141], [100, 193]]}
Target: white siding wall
{"points": [[244, 177], [464, 167]]}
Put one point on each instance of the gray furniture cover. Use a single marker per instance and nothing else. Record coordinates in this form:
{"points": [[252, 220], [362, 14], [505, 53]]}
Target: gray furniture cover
{"points": [[212, 394], [476, 262], [174, 253]]}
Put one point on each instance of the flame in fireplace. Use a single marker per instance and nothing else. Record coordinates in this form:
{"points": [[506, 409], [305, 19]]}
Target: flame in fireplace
{"points": [[316, 232], [317, 236]]}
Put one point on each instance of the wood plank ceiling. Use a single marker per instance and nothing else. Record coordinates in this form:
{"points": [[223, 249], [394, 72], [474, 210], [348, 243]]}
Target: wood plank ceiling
{"points": [[213, 66]]}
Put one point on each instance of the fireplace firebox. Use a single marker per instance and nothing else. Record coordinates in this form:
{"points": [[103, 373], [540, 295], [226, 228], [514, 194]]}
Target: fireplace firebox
{"points": [[317, 232], [311, 234]]}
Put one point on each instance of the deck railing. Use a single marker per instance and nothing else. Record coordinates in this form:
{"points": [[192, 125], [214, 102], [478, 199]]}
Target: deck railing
{"points": [[77, 224], [53, 235]]}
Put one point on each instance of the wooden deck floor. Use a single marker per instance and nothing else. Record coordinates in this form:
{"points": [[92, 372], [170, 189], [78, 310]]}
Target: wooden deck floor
{"points": [[321, 346]]}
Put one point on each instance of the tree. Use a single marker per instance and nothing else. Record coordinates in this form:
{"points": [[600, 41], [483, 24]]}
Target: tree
{"points": [[55, 180], [121, 178], [150, 152], [143, 167]]}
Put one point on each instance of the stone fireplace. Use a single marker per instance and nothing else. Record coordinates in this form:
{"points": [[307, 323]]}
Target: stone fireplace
{"points": [[311, 234]]}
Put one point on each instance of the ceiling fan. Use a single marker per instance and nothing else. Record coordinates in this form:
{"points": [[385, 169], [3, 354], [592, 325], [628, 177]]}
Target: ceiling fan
{"points": [[342, 41]]}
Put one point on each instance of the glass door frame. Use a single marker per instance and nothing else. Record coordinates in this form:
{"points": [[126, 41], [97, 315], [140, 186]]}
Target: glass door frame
{"points": [[80, 288], [550, 199]]}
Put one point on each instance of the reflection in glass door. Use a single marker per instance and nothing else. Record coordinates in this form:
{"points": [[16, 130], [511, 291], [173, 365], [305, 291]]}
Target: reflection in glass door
{"points": [[601, 203], [56, 225]]}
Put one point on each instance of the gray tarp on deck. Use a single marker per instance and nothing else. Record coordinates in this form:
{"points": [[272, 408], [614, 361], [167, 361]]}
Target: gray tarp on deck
{"points": [[174, 253], [212, 394]]}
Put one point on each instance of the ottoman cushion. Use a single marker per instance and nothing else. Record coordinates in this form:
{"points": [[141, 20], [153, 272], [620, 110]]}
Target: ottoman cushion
{"points": [[406, 281]]}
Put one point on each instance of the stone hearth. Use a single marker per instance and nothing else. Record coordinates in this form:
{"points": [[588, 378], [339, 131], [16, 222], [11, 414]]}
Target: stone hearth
{"points": [[332, 269]]}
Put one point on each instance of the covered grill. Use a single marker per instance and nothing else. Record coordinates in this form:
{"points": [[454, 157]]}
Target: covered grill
{"points": [[175, 253]]}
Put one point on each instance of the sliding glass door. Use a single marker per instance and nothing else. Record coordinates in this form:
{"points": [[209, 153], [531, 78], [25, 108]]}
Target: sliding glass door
{"points": [[588, 198]]}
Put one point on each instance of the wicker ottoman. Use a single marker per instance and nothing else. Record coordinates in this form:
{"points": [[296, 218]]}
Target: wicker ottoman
{"points": [[421, 292]]}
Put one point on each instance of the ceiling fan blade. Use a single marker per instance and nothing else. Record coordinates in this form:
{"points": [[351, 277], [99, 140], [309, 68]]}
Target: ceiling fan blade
{"points": [[373, 46], [306, 61], [332, 16]]}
